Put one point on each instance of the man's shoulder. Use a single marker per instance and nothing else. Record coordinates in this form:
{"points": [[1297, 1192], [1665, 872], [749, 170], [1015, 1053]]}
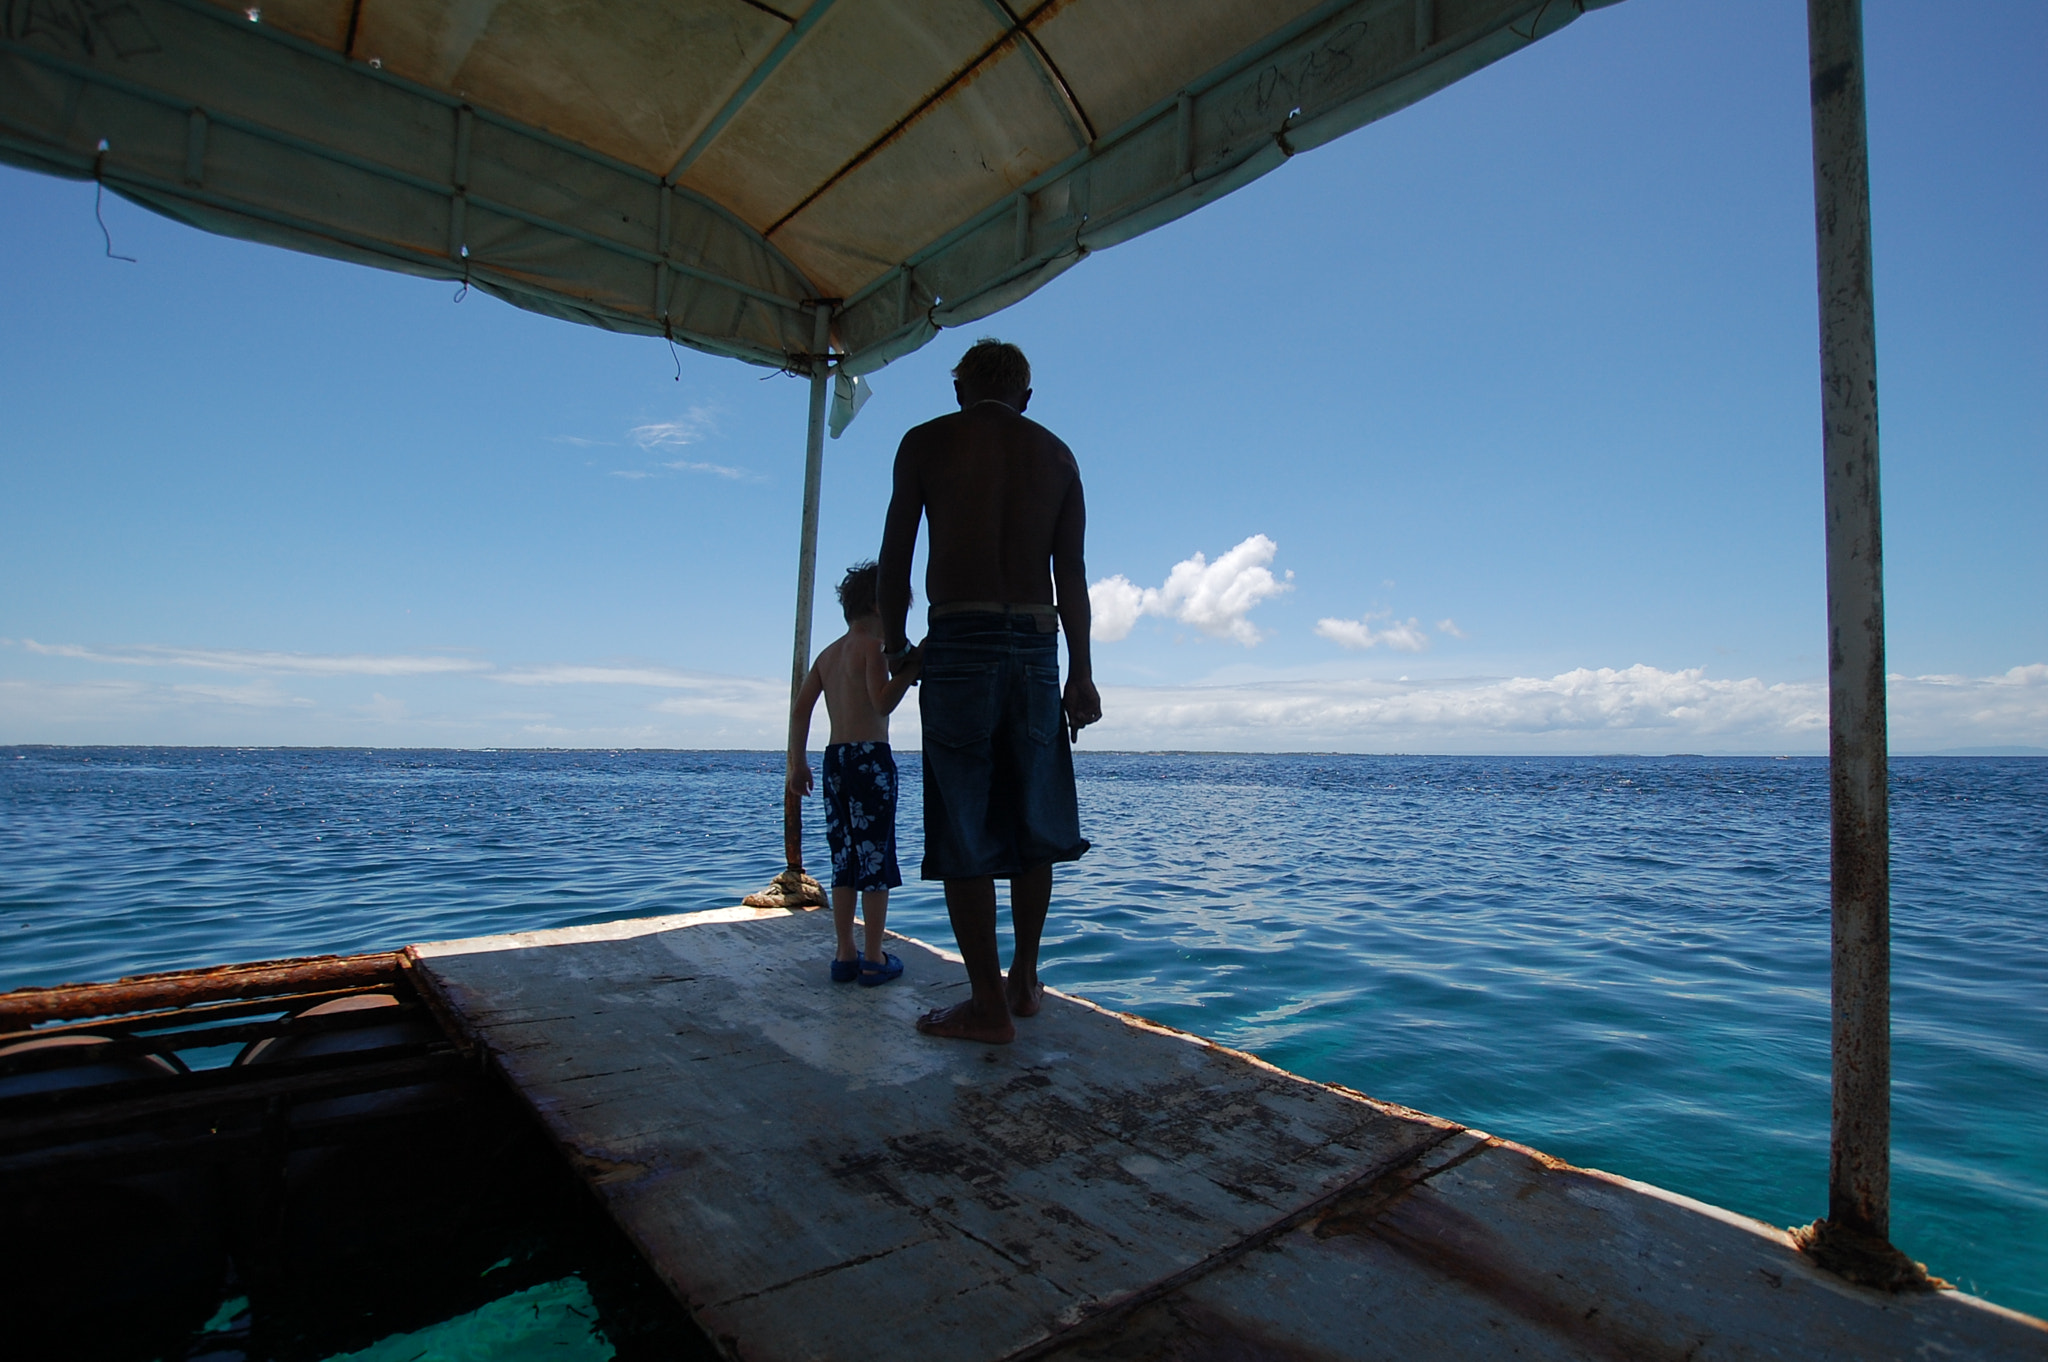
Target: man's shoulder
{"points": [[938, 428]]}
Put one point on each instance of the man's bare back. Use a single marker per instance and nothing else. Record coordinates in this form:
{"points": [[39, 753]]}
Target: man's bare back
{"points": [[1002, 495]]}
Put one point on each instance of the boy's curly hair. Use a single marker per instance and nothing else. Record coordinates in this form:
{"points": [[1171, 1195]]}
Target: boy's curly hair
{"points": [[857, 590]]}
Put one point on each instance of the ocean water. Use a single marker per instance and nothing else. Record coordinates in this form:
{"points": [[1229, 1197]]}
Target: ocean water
{"points": [[1621, 961]]}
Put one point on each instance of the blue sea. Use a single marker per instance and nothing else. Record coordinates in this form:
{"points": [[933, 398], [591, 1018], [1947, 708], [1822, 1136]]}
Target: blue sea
{"points": [[1622, 961]]}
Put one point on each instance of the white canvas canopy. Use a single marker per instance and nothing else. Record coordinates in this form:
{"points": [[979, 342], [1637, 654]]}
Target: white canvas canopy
{"points": [[709, 170]]}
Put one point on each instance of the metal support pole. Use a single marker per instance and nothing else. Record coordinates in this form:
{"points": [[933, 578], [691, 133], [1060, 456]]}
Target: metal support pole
{"points": [[807, 555], [1859, 1155]]}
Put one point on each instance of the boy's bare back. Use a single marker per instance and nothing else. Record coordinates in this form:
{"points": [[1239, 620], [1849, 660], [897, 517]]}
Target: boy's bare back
{"points": [[856, 682]]}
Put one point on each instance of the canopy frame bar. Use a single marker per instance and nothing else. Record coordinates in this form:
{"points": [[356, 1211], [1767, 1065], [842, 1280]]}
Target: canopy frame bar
{"points": [[1048, 70], [1016, 35], [820, 362], [758, 77]]}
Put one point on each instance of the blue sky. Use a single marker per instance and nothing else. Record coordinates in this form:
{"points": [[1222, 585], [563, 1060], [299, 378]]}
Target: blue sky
{"points": [[1495, 424]]}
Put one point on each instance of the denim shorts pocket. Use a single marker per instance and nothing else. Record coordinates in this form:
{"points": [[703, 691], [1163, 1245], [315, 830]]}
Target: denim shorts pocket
{"points": [[1042, 701], [957, 703]]}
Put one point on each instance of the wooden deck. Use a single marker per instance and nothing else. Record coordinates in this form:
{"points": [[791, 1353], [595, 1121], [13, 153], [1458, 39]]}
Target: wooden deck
{"points": [[815, 1180]]}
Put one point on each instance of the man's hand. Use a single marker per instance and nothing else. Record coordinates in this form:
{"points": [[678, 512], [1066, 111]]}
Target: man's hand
{"points": [[798, 781], [1081, 704], [904, 660]]}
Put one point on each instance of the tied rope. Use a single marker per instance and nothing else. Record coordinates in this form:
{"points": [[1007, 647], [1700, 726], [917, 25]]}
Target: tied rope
{"points": [[99, 194]]}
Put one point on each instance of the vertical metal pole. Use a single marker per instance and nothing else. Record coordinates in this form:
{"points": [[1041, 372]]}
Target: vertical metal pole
{"points": [[807, 556], [1859, 1155]]}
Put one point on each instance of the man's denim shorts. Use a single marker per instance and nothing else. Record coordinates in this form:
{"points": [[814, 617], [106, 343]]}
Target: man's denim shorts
{"points": [[998, 770]]}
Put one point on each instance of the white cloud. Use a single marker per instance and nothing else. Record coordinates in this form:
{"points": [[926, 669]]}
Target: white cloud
{"points": [[715, 469], [238, 660], [256, 695], [571, 674], [689, 429], [1639, 709], [1359, 633], [1216, 598], [701, 694], [1450, 627], [1114, 605]]}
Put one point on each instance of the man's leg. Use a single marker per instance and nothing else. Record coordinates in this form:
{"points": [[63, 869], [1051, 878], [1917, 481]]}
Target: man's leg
{"points": [[874, 915], [842, 920], [1030, 900], [971, 904]]}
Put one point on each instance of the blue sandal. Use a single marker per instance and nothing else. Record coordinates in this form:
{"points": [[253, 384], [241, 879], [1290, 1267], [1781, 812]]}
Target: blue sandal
{"points": [[846, 971], [881, 971]]}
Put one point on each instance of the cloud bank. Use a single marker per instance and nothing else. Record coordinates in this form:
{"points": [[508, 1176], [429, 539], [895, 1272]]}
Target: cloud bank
{"points": [[1216, 598], [64, 693], [1605, 709], [234, 660]]}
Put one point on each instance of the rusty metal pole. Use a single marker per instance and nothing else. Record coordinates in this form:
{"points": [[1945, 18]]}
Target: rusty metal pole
{"points": [[1859, 1154], [807, 556]]}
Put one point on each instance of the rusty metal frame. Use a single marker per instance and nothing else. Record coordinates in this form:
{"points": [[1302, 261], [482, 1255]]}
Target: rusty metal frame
{"points": [[24, 1008]]}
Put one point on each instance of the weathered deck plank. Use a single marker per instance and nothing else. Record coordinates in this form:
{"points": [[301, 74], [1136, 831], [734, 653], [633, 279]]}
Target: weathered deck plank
{"points": [[816, 1180]]}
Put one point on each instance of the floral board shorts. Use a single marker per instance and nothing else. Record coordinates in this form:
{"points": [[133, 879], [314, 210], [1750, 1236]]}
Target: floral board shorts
{"points": [[860, 815]]}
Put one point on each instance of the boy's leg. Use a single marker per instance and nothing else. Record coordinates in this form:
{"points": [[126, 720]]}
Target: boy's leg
{"points": [[985, 1016], [874, 916], [842, 920], [1030, 900]]}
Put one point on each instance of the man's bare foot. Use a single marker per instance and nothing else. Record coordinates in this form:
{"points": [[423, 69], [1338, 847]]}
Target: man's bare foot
{"points": [[1024, 1002], [962, 1022]]}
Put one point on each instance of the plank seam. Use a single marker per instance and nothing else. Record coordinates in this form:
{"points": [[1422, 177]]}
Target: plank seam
{"points": [[1223, 1257]]}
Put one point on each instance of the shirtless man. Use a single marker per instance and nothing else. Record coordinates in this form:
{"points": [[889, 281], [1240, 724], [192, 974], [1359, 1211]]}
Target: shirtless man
{"points": [[860, 775], [1003, 499]]}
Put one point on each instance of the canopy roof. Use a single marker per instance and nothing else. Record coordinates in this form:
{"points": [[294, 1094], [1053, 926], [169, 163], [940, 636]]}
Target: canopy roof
{"points": [[705, 169]]}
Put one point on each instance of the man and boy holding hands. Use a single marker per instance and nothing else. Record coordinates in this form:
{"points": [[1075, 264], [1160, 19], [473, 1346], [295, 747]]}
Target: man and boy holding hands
{"points": [[1002, 498]]}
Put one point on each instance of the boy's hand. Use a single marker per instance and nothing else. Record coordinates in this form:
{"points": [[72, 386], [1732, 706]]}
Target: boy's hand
{"points": [[798, 782], [904, 661]]}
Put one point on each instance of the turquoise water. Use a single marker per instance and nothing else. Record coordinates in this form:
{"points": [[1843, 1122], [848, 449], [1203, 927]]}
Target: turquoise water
{"points": [[1621, 961]]}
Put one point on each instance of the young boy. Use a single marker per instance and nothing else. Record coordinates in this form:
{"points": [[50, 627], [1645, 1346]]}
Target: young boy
{"points": [[860, 774]]}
